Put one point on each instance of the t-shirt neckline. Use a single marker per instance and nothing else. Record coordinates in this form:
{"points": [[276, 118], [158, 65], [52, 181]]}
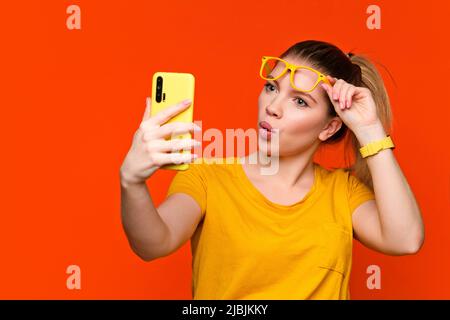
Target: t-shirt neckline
{"points": [[259, 196]]}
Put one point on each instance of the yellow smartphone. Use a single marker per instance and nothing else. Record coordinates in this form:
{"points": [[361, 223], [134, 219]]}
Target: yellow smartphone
{"points": [[170, 88]]}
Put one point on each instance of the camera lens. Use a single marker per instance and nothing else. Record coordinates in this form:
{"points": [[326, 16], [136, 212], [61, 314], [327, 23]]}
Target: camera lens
{"points": [[159, 82]]}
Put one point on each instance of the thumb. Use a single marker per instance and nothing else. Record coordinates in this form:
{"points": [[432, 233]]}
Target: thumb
{"points": [[148, 106]]}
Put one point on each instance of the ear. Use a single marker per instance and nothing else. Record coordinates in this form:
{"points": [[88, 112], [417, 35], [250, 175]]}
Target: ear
{"points": [[331, 128]]}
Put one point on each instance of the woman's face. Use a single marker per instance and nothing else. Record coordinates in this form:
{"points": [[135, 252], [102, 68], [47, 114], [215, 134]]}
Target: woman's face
{"points": [[301, 118]]}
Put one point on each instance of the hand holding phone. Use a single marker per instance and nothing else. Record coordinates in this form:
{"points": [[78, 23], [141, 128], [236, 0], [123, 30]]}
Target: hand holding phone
{"points": [[151, 148]]}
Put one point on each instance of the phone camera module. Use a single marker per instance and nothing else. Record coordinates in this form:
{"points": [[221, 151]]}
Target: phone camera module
{"points": [[159, 84]]}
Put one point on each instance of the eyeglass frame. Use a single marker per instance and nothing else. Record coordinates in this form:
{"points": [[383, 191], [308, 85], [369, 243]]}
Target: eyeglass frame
{"points": [[293, 68]]}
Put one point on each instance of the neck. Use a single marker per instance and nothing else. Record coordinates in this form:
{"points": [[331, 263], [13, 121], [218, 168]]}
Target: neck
{"points": [[292, 171]]}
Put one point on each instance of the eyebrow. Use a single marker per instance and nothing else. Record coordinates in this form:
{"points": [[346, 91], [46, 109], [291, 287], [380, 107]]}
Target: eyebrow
{"points": [[292, 89]]}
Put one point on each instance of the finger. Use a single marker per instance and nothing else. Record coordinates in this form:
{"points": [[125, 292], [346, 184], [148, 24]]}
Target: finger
{"points": [[173, 129], [174, 145], [336, 89], [148, 106], [343, 95], [349, 96], [328, 87], [328, 91], [331, 80], [166, 114], [161, 159], [170, 129]]}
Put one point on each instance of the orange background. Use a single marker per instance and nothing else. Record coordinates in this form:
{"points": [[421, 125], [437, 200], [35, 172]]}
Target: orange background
{"points": [[72, 99]]}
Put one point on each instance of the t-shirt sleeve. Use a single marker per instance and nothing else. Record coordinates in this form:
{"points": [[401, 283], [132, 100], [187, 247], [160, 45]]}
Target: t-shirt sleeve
{"points": [[358, 192], [191, 182]]}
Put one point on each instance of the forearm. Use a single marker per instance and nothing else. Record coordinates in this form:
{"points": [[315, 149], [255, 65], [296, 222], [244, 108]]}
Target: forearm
{"points": [[146, 231], [399, 214]]}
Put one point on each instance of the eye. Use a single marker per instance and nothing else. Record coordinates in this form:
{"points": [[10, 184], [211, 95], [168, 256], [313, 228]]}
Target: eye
{"points": [[268, 86], [304, 102]]}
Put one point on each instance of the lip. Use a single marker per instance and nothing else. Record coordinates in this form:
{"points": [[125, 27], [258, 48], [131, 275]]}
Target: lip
{"points": [[265, 125], [265, 130]]}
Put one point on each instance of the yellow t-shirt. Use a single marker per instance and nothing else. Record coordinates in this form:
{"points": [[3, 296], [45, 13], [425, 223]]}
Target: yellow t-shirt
{"points": [[248, 247]]}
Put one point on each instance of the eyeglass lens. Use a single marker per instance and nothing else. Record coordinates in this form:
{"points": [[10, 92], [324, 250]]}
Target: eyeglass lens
{"points": [[304, 79]]}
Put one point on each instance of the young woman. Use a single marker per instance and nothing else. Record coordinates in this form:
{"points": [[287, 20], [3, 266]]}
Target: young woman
{"points": [[286, 235]]}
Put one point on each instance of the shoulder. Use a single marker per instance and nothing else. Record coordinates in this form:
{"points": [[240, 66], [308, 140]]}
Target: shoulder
{"points": [[330, 175], [341, 179], [344, 180]]}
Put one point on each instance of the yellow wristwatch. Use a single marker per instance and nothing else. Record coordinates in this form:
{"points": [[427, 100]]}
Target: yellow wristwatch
{"points": [[376, 146]]}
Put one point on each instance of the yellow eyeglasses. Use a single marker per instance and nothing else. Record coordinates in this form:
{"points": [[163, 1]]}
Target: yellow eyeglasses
{"points": [[302, 78]]}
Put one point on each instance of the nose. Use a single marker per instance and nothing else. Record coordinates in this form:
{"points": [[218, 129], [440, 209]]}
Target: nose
{"points": [[274, 109]]}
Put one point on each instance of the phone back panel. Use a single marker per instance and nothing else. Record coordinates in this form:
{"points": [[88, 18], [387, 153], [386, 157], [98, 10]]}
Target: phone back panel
{"points": [[176, 87]]}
